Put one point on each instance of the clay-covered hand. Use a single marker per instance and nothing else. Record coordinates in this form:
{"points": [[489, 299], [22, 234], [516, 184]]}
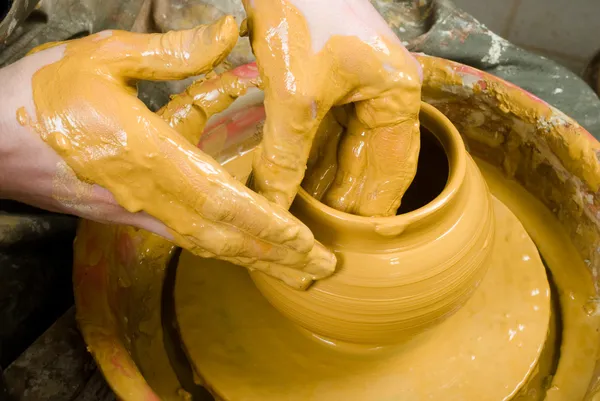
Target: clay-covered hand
{"points": [[75, 139], [314, 55]]}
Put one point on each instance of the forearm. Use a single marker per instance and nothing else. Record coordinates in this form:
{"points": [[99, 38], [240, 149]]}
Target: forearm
{"points": [[12, 134], [323, 19]]}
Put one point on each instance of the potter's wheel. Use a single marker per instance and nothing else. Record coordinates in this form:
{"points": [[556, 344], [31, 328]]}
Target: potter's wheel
{"points": [[119, 300], [245, 350]]}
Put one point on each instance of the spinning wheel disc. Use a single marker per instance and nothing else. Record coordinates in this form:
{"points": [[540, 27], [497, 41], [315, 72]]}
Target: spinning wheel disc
{"points": [[243, 349]]}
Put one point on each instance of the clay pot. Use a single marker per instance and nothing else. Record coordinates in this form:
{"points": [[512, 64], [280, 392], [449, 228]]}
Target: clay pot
{"points": [[397, 276]]}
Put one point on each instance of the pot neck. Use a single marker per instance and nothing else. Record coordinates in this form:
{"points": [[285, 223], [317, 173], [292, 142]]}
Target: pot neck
{"points": [[337, 229]]}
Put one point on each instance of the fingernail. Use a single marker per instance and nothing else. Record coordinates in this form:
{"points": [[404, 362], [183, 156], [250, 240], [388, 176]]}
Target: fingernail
{"points": [[322, 262], [293, 278], [300, 282]]}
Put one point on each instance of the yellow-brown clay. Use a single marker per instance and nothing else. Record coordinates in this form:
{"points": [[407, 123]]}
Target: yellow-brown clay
{"points": [[512, 238], [569, 271], [322, 164], [575, 290], [398, 275], [189, 111], [244, 349], [563, 136]]}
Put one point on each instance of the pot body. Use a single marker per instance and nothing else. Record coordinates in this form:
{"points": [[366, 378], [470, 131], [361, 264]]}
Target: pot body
{"points": [[396, 276]]}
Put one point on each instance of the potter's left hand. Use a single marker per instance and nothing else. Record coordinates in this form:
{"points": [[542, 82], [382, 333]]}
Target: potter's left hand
{"points": [[314, 55], [87, 145]]}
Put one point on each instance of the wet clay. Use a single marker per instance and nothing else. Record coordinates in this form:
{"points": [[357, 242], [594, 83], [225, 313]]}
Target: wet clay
{"points": [[397, 276], [189, 111], [559, 170], [244, 349], [147, 164], [306, 71], [580, 321], [219, 358], [427, 184]]}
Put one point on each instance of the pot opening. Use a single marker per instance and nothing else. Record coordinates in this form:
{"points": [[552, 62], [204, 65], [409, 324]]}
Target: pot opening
{"points": [[440, 173], [432, 174]]}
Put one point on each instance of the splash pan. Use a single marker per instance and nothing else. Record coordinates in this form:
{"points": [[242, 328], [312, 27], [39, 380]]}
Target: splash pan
{"points": [[526, 150]]}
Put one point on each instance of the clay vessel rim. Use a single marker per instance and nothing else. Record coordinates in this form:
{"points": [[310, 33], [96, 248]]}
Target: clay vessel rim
{"points": [[450, 139]]}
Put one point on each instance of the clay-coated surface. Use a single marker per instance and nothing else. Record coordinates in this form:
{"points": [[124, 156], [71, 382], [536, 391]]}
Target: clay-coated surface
{"points": [[246, 350]]}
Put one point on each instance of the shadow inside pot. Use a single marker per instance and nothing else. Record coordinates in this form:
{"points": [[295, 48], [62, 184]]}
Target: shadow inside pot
{"points": [[432, 174]]}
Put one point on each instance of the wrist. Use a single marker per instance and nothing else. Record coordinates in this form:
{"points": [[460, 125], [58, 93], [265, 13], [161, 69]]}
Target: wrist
{"points": [[8, 113]]}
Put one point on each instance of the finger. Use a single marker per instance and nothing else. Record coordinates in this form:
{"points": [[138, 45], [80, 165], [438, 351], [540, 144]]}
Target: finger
{"points": [[343, 193], [321, 167], [189, 111], [318, 264], [280, 160], [377, 163], [291, 276], [298, 271], [227, 242], [394, 152], [169, 56], [229, 202], [190, 189]]}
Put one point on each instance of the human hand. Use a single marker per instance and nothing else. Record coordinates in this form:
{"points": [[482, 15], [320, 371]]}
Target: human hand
{"points": [[87, 146], [315, 55]]}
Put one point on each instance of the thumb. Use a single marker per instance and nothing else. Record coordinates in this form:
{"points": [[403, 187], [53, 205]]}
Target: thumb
{"points": [[173, 55]]}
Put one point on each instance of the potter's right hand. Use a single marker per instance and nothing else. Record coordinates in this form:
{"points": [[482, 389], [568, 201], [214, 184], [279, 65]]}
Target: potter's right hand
{"points": [[76, 139], [314, 55]]}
